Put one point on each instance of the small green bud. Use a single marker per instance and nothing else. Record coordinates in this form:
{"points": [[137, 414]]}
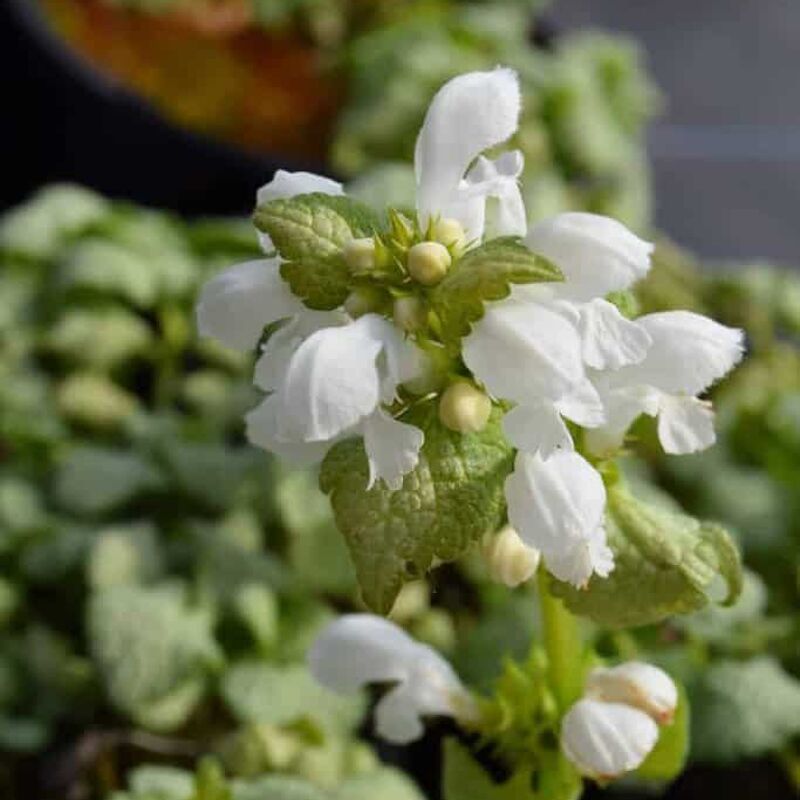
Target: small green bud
{"points": [[428, 262], [450, 232], [464, 408], [362, 301], [359, 254], [409, 313]]}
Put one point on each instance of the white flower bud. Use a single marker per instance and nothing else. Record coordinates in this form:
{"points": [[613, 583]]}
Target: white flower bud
{"points": [[450, 232], [605, 740], [359, 254], [428, 262], [641, 685], [509, 560], [409, 313], [464, 408]]}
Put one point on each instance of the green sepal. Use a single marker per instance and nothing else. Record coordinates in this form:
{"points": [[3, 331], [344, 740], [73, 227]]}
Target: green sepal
{"points": [[668, 758], [486, 273], [309, 231], [446, 504], [665, 563]]}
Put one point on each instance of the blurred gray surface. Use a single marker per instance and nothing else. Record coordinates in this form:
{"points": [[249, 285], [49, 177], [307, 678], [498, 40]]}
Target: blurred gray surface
{"points": [[726, 150]]}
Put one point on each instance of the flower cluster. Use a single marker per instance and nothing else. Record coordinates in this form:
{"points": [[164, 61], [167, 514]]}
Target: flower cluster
{"points": [[569, 369], [614, 727]]}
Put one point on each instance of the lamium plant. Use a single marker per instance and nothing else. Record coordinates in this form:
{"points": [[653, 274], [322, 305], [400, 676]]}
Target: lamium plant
{"points": [[467, 380]]}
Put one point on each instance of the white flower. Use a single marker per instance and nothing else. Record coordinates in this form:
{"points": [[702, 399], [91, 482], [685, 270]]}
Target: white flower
{"points": [[688, 353], [332, 384], [558, 506], [604, 740], [359, 649], [468, 115], [236, 304], [509, 560], [637, 684]]}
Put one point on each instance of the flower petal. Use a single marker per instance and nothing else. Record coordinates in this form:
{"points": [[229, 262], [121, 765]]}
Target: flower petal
{"points": [[498, 179], [605, 740], [688, 352], [685, 425], [236, 304], [276, 354], [609, 340], [358, 649], [582, 405], [523, 351], [558, 506], [637, 684], [333, 380], [537, 428], [289, 184], [392, 448], [597, 254], [468, 115], [262, 431]]}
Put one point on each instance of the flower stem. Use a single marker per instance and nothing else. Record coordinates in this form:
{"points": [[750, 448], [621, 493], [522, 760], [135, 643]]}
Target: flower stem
{"points": [[564, 646]]}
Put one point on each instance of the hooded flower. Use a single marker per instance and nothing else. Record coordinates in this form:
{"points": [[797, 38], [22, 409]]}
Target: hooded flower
{"points": [[614, 727], [688, 353], [361, 649], [558, 506]]}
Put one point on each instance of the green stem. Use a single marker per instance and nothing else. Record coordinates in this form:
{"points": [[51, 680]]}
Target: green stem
{"points": [[564, 646]]}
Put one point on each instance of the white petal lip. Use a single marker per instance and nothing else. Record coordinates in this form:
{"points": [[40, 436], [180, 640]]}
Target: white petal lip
{"points": [[609, 340], [236, 304], [498, 179], [359, 649], [597, 254], [537, 428], [637, 684], [290, 184], [333, 381], [685, 425], [468, 115], [392, 448], [604, 740], [523, 351], [558, 507], [689, 352]]}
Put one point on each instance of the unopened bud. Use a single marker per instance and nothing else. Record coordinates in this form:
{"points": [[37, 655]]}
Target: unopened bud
{"points": [[409, 313], [464, 408], [509, 560], [605, 740], [641, 685], [450, 232], [428, 262], [359, 254], [362, 301]]}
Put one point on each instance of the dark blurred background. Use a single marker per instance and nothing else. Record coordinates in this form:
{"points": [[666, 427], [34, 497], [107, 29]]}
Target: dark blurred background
{"points": [[726, 150]]}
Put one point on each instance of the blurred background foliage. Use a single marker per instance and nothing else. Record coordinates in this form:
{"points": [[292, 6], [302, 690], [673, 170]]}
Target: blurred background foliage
{"points": [[161, 579]]}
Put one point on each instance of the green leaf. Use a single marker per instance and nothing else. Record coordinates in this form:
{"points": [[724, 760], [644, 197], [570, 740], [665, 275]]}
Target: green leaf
{"points": [[450, 500], [384, 783], [210, 783], [486, 273], [309, 231], [95, 480], [743, 710], [124, 554], [152, 650], [161, 782], [668, 758], [465, 779], [94, 401], [665, 563], [278, 787], [39, 228], [100, 338], [265, 693]]}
